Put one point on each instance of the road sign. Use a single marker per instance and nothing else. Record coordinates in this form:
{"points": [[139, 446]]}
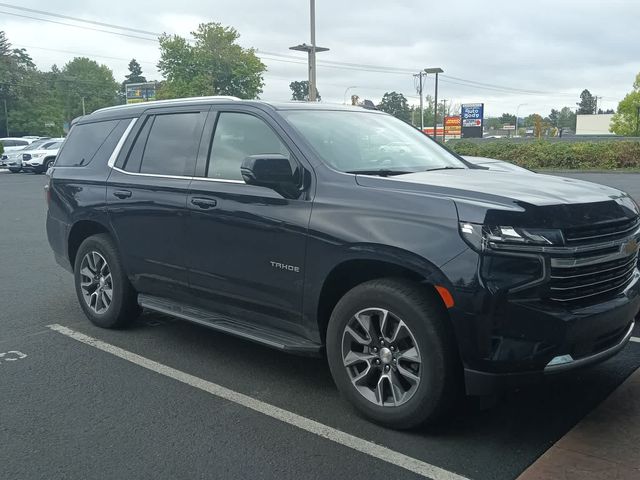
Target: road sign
{"points": [[508, 127]]}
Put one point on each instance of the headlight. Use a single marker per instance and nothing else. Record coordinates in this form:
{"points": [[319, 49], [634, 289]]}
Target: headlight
{"points": [[482, 237], [36, 155]]}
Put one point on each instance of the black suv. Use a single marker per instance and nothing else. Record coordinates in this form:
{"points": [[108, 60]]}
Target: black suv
{"points": [[313, 228]]}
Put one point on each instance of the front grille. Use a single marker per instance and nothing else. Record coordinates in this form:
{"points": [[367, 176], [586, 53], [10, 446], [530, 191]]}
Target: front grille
{"points": [[591, 283], [601, 232]]}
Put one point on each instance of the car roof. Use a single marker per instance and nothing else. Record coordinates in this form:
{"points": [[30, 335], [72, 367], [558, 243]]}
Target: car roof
{"points": [[136, 109]]}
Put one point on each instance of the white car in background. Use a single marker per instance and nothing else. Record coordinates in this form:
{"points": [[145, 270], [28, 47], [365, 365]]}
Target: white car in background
{"points": [[12, 144], [39, 159], [13, 159]]}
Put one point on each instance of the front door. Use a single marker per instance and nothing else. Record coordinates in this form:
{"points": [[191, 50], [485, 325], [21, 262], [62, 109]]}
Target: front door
{"points": [[247, 243]]}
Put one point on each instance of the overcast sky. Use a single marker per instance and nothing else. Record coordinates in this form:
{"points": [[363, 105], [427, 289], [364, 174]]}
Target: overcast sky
{"points": [[544, 52]]}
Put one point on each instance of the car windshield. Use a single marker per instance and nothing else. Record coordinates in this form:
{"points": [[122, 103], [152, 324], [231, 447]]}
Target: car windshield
{"points": [[37, 145], [367, 142]]}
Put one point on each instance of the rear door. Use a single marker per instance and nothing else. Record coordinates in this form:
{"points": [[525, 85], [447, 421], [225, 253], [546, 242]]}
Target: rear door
{"points": [[147, 195], [247, 243]]}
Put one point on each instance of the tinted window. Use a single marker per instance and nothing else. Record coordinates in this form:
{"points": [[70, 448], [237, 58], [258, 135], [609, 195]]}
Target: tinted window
{"points": [[84, 141], [237, 136], [172, 145], [9, 143], [21, 143]]}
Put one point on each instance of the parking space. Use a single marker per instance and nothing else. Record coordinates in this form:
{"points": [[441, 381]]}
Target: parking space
{"points": [[71, 410]]}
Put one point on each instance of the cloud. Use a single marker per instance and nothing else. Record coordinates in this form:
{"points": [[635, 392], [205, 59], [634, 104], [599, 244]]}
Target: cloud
{"points": [[558, 48]]}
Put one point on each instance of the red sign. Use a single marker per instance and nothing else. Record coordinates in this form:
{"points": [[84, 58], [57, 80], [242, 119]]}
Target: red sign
{"points": [[452, 121]]}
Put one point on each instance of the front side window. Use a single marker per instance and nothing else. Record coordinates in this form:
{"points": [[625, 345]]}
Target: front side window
{"points": [[361, 141], [238, 136], [172, 145]]}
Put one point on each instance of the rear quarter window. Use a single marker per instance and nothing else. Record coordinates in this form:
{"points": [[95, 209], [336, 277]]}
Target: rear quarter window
{"points": [[91, 141]]}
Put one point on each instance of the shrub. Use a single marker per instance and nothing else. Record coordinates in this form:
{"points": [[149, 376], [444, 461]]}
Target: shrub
{"points": [[564, 155]]}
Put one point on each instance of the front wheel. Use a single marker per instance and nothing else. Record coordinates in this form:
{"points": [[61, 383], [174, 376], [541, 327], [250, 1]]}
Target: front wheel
{"points": [[391, 354], [103, 289]]}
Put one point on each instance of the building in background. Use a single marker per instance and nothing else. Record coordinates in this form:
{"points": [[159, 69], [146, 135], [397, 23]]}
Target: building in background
{"points": [[594, 124], [140, 92]]}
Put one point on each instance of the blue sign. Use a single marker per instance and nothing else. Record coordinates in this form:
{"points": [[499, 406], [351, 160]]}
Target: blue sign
{"points": [[472, 116], [472, 111]]}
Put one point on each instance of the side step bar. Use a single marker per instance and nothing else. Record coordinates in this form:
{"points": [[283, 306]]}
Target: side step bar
{"points": [[271, 338]]}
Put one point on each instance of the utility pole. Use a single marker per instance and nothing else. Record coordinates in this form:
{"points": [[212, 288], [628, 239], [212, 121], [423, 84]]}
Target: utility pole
{"points": [[597, 98], [311, 51], [444, 114], [6, 116], [83, 110], [419, 76], [637, 120]]}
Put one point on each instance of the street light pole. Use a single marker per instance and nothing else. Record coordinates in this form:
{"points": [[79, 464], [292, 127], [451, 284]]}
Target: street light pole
{"points": [[311, 51], [83, 111], [435, 70], [444, 114], [517, 109]]}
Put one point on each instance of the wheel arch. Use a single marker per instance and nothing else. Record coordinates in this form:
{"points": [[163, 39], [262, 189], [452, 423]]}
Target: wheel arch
{"points": [[80, 231], [353, 271]]}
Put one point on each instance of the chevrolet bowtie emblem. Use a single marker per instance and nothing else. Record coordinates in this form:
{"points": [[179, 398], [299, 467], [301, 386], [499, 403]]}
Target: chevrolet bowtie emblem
{"points": [[629, 247]]}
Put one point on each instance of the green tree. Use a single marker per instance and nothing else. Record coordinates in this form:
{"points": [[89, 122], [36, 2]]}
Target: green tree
{"points": [[135, 73], [587, 103], [626, 121], [395, 104], [83, 78], [300, 91], [213, 65], [507, 119], [566, 119], [554, 117]]}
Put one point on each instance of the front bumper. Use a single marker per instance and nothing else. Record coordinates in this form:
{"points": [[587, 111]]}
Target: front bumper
{"points": [[507, 339]]}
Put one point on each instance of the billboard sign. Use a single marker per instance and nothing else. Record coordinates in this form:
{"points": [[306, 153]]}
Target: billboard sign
{"points": [[140, 92], [452, 126], [472, 115]]}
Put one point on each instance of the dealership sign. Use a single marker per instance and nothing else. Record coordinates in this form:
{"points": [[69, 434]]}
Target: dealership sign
{"points": [[472, 115], [452, 126], [140, 92]]}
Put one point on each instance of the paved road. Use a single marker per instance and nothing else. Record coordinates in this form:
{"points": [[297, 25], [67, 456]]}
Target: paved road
{"points": [[69, 410]]}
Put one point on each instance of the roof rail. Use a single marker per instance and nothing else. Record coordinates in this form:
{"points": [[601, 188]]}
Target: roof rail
{"points": [[171, 101]]}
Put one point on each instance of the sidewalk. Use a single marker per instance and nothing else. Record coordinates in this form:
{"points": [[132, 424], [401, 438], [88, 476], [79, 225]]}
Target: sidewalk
{"points": [[604, 445]]}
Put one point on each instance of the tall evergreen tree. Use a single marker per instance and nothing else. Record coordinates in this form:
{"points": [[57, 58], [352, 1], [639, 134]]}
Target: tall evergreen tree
{"points": [[587, 103], [135, 73]]}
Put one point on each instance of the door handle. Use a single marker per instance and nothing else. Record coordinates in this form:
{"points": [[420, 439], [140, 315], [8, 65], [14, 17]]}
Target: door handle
{"points": [[122, 194], [204, 203]]}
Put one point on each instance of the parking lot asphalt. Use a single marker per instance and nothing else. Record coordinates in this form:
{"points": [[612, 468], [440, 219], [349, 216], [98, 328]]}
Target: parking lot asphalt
{"points": [[70, 410]]}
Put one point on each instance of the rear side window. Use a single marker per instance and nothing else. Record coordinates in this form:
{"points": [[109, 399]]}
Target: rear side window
{"points": [[21, 143], [9, 143], [172, 144], [89, 141]]}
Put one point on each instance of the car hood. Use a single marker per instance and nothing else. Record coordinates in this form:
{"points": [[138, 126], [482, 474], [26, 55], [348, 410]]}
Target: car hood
{"points": [[522, 198]]}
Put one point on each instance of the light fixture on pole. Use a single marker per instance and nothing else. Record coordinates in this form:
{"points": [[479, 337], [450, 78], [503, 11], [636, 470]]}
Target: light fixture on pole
{"points": [[435, 70], [517, 109], [311, 51]]}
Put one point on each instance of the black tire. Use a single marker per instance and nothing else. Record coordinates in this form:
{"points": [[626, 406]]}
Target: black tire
{"points": [[15, 170], [423, 313], [45, 166], [123, 309]]}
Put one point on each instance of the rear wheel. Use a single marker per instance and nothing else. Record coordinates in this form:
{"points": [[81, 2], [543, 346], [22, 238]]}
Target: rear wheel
{"points": [[103, 289], [391, 354], [45, 166]]}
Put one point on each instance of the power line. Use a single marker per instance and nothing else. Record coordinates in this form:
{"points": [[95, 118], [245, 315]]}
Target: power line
{"points": [[278, 57]]}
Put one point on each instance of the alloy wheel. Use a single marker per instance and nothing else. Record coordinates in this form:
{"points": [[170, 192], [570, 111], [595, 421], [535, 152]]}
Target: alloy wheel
{"points": [[96, 282], [381, 357]]}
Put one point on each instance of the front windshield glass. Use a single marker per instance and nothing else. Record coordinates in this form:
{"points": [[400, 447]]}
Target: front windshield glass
{"points": [[362, 141]]}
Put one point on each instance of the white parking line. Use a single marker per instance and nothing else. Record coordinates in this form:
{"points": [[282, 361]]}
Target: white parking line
{"points": [[635, 339], [364, 446]]}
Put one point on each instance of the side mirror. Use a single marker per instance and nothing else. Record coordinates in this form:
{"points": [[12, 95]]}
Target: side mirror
{"points": [[272, 170]]}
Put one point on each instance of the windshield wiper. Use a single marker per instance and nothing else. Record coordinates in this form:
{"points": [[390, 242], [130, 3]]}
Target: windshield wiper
{"points": [[382, 172], [444, 168]]}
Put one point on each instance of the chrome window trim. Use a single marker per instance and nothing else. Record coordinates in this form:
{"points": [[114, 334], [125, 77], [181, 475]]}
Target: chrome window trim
{"points": [[177, 177], [116, 151]]}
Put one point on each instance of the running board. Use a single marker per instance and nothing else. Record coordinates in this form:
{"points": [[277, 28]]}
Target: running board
{"points": [[271, 338]]}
